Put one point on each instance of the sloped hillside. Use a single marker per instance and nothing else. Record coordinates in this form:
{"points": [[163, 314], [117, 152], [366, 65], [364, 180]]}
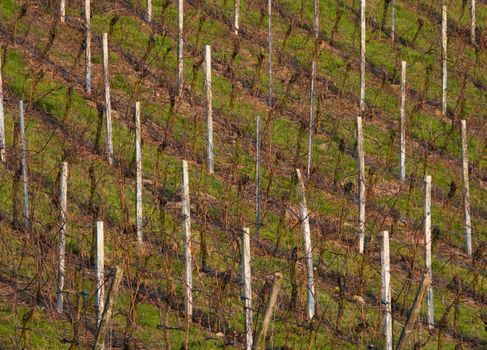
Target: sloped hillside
{"points": [[43, 65]]}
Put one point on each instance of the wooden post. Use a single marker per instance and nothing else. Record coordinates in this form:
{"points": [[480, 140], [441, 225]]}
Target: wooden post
{"points": [[186, 213], [62, 11], [2, 120], [100, 271], [269, 24], [247, 288], [415, 310], [393, 20], [209, 110], [271, 303], [107, 313], [444, 47], [430, 319], [466, 190], [257, 178], [180, 46], [308, 253], [311, 117], [236, 16], [149, 11], [316, 18], [386, 291], [361, 184], [362, 56], [108, 106], [402, 156], [472, 22], [23, 164], [63, 191], [87, 47], [138, 165]]}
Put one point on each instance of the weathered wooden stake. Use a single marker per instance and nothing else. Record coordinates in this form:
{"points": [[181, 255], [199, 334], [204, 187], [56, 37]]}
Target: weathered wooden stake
{"points": [[186, 213], [386, 291], [444, 47], [209, 110], [362, 55], [108, 310], [2, 120], [247, 288], [257, 178], [108, 106], [100, 271], [269, 23], [361, 184], [472, 22], [180, 46], [393, 20], [311, 117], [138, 165], [62, 11], [402, 156], [308, 253], [236, 16], [466, 190], [26, 211], [430, 319], [415, 311], [63, 194], [316, 18], [87, 47], [271, 303], [149, 11]]}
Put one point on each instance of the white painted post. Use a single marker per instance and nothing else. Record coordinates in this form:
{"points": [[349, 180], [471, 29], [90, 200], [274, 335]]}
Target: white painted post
{"points": [[236, 16], [24, 167], [138, 164], [247, 288], [308, 252], [149, 11], [466, 190], [257, 178], [472, 22], [402, 156], [186, 213], [100, 271], [362, 55], [180, 46], [209, 110], [316, 21], [386, 291], [269, 23], [444, 47], [62, 11], [393, 20], [430, 319], [2, 122], [108, 106], [311, 117], [361, 184], [87, 47], [63, 193]]}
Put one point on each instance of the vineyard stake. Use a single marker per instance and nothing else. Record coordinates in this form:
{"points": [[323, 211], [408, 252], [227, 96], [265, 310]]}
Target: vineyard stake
{"points": [[247, 288], [186, 213], [138, 165], [466, 190], [361, 184], [108, 106], [209, 110], [63, 189], [308, 253]]}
